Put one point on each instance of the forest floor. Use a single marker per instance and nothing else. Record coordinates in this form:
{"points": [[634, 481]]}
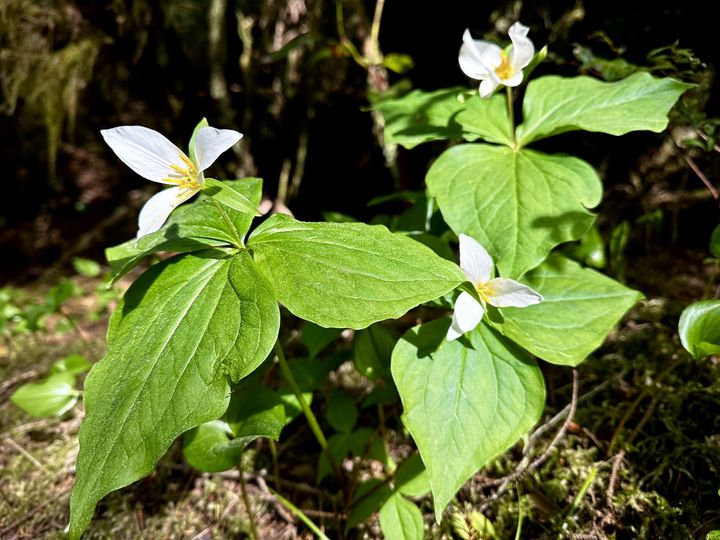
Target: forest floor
{"points": [[640, 458]]}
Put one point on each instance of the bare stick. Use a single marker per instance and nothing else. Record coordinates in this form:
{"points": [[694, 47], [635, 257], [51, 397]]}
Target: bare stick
{"points": [[523, 468]]}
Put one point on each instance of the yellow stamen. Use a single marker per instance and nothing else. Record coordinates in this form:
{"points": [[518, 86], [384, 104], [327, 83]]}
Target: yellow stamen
{"points": [[504, 70], [484, 291], [187, 178]]}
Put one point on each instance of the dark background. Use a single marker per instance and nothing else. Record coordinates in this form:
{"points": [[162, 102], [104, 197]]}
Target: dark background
{"points": [[149, 62]]}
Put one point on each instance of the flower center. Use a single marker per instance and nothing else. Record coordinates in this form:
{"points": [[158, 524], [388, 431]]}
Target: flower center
{"points": [[484, 291], [187, 177], [504, 70]]}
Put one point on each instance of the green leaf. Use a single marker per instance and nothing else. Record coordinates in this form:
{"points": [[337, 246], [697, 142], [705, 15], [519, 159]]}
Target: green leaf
{"points": [[201, 124], [224, 193], [74, 364], [348, 275], [53, 396], [368, 498], [191, 227], [488, 119], [713, 535], [715, 242], [518, 204], [398, 62], [401, 519], [255, 411], [699, 328], [362, 442], [316, 338], [341, 412], [86, 267], [181, 329], [412, 478], [554, 105], [590, 250], [372, 349], [464, 401], [211, 448], [580, 306], [420, 117]]}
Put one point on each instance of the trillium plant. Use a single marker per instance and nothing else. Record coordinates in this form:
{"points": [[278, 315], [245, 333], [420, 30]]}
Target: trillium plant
{"points": [[193, 344]]}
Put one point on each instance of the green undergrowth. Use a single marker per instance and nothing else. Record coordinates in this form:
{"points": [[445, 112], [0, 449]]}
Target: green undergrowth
{"points": [[641, 458]]}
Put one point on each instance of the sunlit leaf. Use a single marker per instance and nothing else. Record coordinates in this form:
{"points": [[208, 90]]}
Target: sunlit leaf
{"points": [[183, 327], [699, 328], [554, 105], [518, 204], [348, 275], [464, 401], [580, 306]]}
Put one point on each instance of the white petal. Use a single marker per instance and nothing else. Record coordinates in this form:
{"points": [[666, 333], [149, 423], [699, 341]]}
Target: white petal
{"points": [[474, 260], [488, 86], [505, 292], [145, 151], [211, 142], [157, 209], [468, 314], [513, 81], [523, 50], [478, 58]]}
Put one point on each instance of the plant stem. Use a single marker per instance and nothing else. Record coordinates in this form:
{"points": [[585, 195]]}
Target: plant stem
{"points": [[233, 231], [300, 514], [375, 33], [276, 465], [312, 421], [246, 500], [511, 112]]}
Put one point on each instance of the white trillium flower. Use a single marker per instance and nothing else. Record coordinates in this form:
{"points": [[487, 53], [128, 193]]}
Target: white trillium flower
{"points": [[499, 292], [154, 157], [491, 65]]}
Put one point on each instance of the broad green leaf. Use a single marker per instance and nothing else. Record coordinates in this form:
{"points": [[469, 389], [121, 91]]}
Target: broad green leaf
{"points": [[341, 412], [191, 227], [580, 306], [412, 478], [348, 275], [53, 396], [75, 364], [488, 119], [699, 328], [554, 105], [372, 349], [255, 411], [464, 401], [223, 193], [518, 204], [419, 117], [401, 519], [181, 329]]}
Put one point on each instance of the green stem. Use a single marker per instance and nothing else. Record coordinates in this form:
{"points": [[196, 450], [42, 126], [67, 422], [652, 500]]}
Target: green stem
{"points": [[233, 231], [300, 514], [312, 421], [246, 500], [340, 21], [511, 112], [375, 32]]}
